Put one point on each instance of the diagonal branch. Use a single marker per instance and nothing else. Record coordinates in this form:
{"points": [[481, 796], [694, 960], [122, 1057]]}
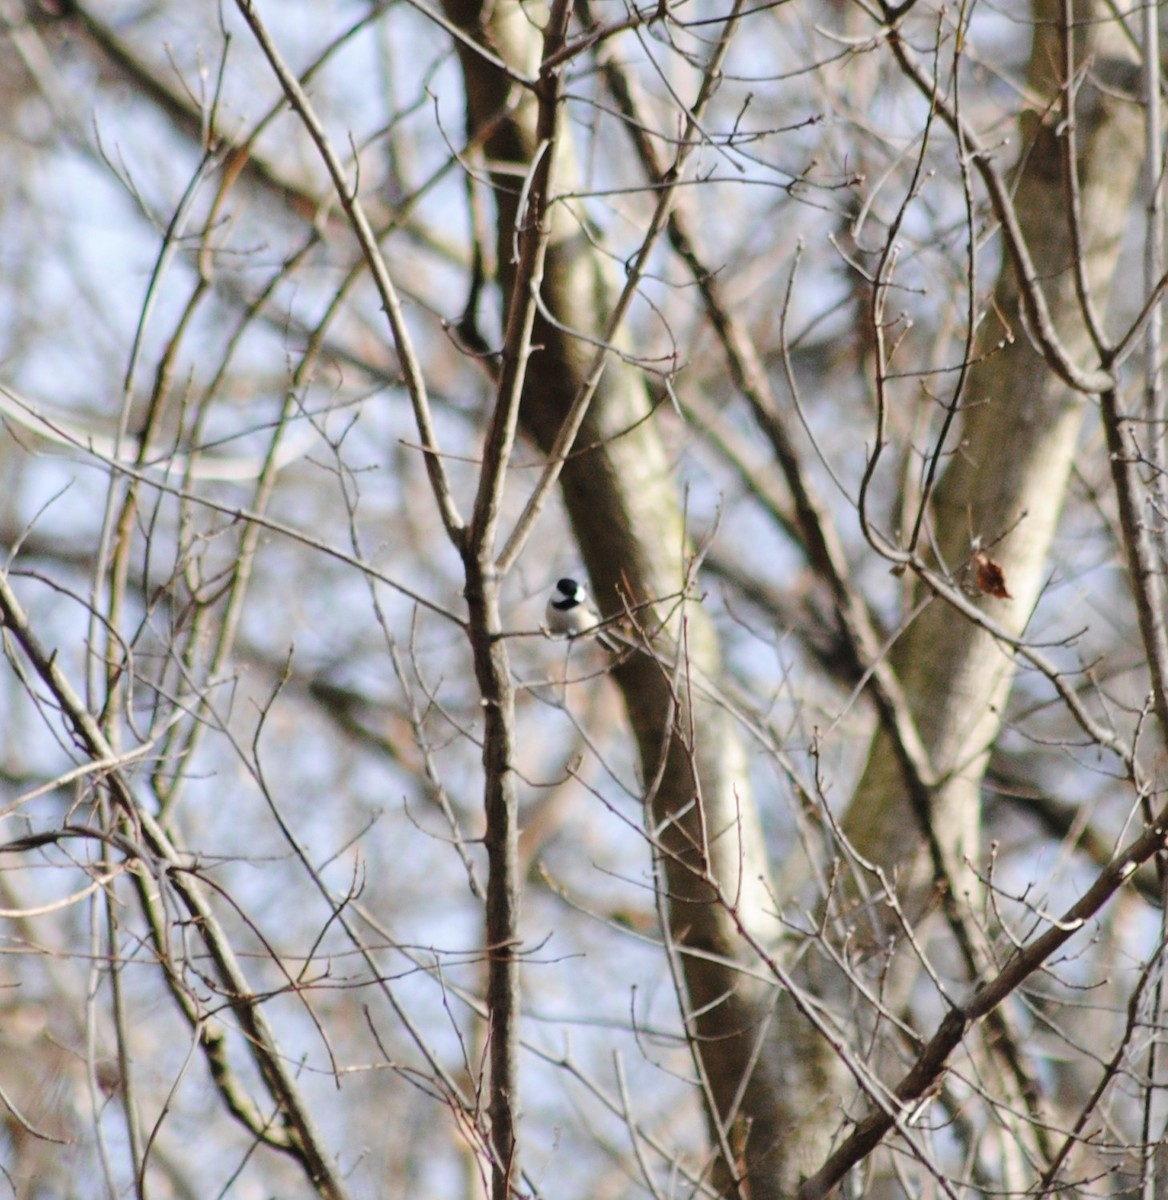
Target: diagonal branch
{"points": [[346, 193], [296, 1133]]}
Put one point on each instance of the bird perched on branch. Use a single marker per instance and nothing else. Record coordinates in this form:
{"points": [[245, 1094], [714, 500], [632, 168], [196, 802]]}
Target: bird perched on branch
{"points": [[570, 612], [569, 609]]}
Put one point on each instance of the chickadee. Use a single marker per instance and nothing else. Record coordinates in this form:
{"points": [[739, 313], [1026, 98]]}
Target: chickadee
{"points": [[568, 610]]}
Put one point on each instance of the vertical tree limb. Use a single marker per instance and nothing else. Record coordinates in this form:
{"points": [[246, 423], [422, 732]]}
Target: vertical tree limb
{"points": [[626, 516]]}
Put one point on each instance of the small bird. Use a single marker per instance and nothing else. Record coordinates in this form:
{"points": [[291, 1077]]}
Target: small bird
{"points": [[568, 609]]}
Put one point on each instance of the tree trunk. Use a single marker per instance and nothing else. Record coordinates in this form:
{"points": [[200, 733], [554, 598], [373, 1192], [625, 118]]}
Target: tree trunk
{"points": [[624, 509], [1002, 491]]}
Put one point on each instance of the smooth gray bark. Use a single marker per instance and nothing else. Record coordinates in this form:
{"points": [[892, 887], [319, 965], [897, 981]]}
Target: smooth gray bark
{"points": [[626, 514]]}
